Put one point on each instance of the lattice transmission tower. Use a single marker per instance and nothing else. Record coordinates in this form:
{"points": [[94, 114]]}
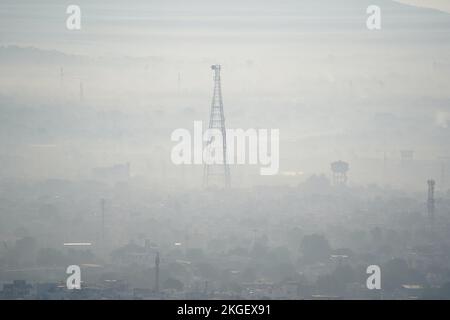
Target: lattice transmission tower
{"points": [[217, 175], [431, 201]]}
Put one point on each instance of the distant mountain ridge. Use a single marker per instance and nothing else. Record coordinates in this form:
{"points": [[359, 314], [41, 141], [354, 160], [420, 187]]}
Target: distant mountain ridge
{"points": [[111, 23], [35, 55]]}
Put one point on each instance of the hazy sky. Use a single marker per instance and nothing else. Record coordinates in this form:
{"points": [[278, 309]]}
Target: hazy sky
{"points": [[308, 67], [443, 5]]}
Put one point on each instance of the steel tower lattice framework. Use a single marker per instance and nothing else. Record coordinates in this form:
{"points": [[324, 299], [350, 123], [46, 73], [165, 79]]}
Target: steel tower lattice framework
{"points": [[430, 201], [217, 174], [157, 272]]}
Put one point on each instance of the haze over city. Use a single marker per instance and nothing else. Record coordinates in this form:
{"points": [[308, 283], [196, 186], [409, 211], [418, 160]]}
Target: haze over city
{"points": [[87, 178]]}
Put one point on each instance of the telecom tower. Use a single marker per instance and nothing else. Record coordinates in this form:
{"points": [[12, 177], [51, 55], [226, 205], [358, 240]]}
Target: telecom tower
{"points": [[430, 202], [217, 174], [61, 77], [81, 92], [102, 206], [157, 272]]}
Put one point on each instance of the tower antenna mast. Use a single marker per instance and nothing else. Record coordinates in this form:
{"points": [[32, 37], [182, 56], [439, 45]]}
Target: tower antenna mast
{"points": [[218, 174]]}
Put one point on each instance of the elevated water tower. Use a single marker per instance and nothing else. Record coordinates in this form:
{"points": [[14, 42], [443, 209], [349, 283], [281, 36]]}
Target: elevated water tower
{"points": [[339, 170]]}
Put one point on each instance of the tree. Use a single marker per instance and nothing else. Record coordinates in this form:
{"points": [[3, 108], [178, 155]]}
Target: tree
{"points": [[50, 257], [294, 236], [444, 291], [207, 270], [394, 274], [195, 254], [174, 284], [315, 248], [345, 273], [328, 285]]}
